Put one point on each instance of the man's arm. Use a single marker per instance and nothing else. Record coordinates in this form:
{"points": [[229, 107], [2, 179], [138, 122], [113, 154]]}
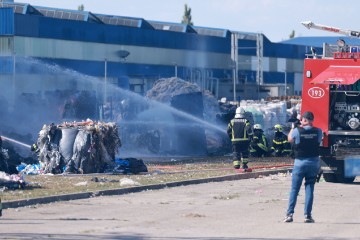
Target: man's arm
{"points": [[290, 137], [320, 135]]}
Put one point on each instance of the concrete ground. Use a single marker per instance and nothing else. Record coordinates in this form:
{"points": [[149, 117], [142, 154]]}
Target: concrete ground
{"points": [[240, 209]]}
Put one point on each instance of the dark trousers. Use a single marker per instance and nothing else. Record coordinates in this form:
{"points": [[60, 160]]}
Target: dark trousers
{"points": [[241, 151], [258, 152]]}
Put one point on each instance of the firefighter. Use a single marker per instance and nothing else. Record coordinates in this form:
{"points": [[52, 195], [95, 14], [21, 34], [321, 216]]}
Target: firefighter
{"points": [[35, 148], [259, 143], [280, 144], [240, 132]]}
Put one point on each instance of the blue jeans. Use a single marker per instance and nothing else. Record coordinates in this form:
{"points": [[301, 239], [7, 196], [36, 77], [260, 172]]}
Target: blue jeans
{"points": [[308, 169]]}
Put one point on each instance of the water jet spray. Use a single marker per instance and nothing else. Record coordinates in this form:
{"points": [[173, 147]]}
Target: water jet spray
{"points": [[15, 141], [63, 84]]}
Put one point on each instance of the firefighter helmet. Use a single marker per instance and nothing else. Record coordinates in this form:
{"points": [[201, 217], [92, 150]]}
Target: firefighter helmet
{"points": [[258, 126], [278, 128], [239, 113]]}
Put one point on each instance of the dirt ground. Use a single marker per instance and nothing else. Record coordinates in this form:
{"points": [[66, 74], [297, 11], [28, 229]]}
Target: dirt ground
{"points": [[160, 170]]}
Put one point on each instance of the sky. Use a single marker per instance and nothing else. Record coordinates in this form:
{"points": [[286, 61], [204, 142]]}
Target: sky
{"points": [[274, 18]]}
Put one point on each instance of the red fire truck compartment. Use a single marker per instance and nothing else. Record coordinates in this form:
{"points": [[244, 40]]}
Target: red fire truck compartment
{"points": [[331, 90]]}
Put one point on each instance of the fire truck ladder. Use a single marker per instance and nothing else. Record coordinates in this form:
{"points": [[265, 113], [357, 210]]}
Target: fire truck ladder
{"points": [[350, 33]]}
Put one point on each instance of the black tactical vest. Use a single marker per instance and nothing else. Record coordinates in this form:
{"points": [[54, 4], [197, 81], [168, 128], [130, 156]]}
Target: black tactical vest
{"points": [[309, 145]]}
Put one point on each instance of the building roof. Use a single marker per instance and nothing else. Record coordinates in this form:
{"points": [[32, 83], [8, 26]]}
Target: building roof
{"points": [[318, 41], [78, 15]]}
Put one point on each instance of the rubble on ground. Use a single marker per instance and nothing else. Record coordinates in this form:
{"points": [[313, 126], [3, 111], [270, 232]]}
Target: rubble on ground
{"points": [[11, 181]]}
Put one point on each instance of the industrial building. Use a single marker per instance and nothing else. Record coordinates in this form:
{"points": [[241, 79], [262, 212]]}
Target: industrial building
{"points": [[70, 65], [133, 53]]}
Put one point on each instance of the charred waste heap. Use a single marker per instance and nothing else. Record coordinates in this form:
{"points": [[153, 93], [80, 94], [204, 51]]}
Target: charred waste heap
{"points": [[77, 147], [185, 133]]}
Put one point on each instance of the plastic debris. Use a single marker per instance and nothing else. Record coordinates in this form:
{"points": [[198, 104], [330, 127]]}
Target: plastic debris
{"points": [[130, 165], [12, 181], [81, 184], [127, 182]]}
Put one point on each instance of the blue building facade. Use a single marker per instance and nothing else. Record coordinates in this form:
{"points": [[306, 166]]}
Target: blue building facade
{"points": [[40, 43]]}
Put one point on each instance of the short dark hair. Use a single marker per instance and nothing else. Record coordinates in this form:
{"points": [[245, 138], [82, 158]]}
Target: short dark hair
{"points": [[308, 115]]}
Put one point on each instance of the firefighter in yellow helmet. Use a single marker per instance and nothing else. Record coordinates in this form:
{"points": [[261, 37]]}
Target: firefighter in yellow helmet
{"points": [[280, 144], [259, 146], [240, 132]]}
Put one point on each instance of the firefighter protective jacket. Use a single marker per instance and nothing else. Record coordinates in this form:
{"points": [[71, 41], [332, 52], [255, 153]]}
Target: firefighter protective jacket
{"points": [[260, 140], [280, 141], [239, 129]]}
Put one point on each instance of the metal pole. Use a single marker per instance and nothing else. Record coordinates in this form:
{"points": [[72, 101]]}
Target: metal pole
{"points": [[105, 86], [234, 61], [285, 83], [176, 70], [13, 81], [234, 82]]}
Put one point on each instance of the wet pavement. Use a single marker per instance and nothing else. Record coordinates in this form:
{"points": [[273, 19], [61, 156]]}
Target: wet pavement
{"points": [[239, 209]]}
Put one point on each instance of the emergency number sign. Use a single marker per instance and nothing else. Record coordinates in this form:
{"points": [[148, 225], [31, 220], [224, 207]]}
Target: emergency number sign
{"points": [[316, 92]]}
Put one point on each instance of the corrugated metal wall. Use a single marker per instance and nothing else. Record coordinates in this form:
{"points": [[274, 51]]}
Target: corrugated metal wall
{"points": [[7, 21], [43, 27]]}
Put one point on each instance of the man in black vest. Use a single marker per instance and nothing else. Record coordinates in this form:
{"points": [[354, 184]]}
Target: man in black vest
{"points": [[306, 140]]}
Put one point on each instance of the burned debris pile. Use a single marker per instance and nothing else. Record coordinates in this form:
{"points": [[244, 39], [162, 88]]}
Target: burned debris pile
{"points": [[165, 89], [192, 108], [77, 147]]}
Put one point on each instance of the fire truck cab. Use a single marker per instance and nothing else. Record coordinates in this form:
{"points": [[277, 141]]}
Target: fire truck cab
{"points": [[331, 90]]}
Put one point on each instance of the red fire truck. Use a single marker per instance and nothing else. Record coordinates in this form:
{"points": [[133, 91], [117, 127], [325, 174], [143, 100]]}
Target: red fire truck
{"points": [[331, 90]]}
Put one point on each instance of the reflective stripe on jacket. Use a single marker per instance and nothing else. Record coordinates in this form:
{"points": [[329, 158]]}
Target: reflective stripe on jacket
{"points": [[239, 129]]}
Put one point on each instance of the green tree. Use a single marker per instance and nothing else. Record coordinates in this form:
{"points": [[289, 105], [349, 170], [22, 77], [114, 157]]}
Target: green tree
{"points": [[187, 16], [292, 34], [81, 7]]}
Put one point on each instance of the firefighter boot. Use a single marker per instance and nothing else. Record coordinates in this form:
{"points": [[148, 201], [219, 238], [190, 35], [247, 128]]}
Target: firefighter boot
{"points": [[236, 164], [245, 167]]}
